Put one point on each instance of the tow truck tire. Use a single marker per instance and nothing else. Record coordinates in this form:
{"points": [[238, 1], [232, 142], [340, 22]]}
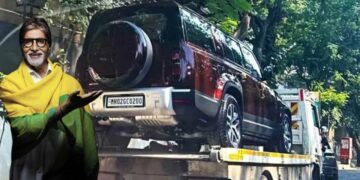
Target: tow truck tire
{"points": [[228, 126], [266, 175], [285, 139]]}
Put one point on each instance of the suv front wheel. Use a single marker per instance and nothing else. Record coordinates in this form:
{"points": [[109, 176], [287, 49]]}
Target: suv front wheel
{"points": [[228, 127], [285, 143]]}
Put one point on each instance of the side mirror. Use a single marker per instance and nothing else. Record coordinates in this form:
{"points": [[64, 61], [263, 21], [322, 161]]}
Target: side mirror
{"points": [[267, 73]]}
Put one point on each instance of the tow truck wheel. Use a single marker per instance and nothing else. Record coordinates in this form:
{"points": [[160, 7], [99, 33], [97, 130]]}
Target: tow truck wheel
{"points": [[266, 175], [285, 143], [228, 128]]}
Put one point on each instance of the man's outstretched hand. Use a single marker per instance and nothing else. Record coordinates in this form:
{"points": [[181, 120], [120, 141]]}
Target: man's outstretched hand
{"points": [[76, 101]]}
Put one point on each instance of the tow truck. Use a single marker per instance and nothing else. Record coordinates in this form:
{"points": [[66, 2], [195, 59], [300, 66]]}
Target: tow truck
{"points": [[230, 163], [216, 163]]}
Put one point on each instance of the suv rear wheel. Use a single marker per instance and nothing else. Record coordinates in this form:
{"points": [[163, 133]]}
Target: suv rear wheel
{"points": [[283, 141], [228, 128]]}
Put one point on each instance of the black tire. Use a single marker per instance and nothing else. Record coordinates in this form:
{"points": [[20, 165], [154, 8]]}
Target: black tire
{"points": [[266, 175], [285, 139], [228, 131], [119, 55]]}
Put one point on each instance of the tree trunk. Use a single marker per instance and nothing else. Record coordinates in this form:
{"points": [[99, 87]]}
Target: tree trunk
{"points": [[260, 28], [74, 51], [243, 27]]}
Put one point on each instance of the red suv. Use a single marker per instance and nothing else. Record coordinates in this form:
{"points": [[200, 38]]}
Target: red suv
{"points": [[167, 73]]}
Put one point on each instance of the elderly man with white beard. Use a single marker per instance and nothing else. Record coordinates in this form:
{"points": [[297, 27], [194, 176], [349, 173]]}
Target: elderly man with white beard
{"points": [[53, 134]]}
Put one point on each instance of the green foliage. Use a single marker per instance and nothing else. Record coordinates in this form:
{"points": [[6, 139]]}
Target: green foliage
{"points": [[334, 99], [2, 75], [228, 25], [226, 13], [228, 8], [320, 40], [74, 14]]}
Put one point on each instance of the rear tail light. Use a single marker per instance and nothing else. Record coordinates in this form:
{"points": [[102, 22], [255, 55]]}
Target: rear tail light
{"points": [[301, 94], [218, 94], [219, 89]]}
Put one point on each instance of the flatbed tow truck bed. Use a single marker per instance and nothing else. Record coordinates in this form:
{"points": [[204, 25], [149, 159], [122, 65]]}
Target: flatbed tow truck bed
{"points": [[218, 163]]}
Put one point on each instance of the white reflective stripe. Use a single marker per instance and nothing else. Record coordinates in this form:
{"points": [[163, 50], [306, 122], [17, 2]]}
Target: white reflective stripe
{"points": [[258, 124], [181, 90]]}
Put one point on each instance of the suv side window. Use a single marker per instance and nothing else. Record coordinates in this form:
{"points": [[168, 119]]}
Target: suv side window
{"points": [[236, 51], [222, 44], [251, 63], [197, 31], [218, 39], [228, 52]]}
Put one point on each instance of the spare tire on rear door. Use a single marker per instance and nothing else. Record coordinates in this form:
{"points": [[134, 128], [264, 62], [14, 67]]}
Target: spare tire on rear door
{"points": [[119, 55]]}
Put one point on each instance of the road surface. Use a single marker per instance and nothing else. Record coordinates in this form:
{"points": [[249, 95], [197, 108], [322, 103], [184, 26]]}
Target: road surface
{"points": [[348, 173]]}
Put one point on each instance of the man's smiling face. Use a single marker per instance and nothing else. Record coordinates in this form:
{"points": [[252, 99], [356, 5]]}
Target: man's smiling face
{"points": [[35, 47]]}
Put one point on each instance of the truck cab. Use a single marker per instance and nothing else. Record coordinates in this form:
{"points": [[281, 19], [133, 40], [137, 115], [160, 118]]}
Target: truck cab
{"points": [[305, 112]]}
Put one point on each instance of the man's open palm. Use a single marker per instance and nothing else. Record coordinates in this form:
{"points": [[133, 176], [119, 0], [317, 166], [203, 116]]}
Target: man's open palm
{"points": [[76, 101]]}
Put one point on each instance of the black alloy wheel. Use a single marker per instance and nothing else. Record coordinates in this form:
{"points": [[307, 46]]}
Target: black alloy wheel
{"points": [[285, 143], [228, 130]]}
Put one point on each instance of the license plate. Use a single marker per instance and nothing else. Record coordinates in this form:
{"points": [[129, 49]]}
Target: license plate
{"points": [[125, 101]]}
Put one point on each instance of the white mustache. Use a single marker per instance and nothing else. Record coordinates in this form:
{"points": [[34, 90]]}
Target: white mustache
{"points": [[35, 61]]}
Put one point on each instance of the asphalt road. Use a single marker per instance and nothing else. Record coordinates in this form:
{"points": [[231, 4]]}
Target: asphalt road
{"points": [[349, 174]]}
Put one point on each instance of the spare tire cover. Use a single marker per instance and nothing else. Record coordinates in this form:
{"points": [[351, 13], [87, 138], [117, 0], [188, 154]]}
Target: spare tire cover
{"points": [[119, 55]]}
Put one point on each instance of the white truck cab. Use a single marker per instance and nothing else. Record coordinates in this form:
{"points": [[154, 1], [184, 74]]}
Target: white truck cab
{"points": [[305, 108]]}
